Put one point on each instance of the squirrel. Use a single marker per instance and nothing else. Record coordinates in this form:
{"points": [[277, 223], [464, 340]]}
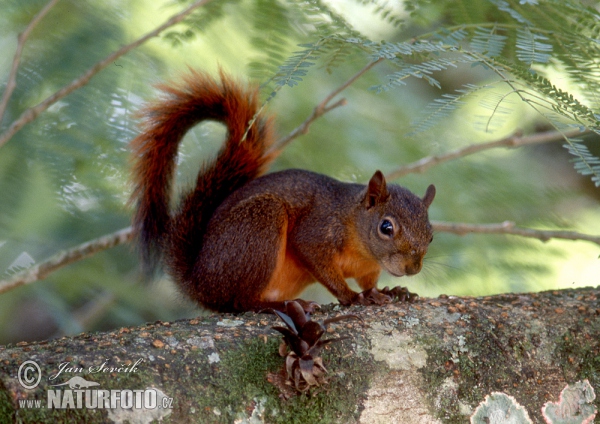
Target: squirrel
{"points": [[244, 241]]}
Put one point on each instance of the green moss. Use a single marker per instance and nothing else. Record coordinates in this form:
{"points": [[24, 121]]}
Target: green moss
{"points": [[578, 350], [241, 386], [466, 368], [240, 378], [7, 412], [60, 416], [434, 376]]}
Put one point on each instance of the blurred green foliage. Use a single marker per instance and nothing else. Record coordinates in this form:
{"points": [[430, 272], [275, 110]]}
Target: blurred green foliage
{"points": [[64, 177]]}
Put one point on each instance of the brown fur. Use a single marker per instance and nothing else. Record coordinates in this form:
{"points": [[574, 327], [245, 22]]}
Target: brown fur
{"points": [[239, 241]]}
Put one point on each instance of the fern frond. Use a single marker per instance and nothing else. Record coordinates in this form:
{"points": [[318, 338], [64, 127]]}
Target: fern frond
{"points": [[199, 22], [530, 47], [555, 105], [469, 12], [442, 107], [336, 54], [583, 69], [563, 17], [419, 70], [337, 25], [488, 42], [585, 23], [271, 23], [451, 37], [581, 60], [585, 163], [396, 53], [504, 6], [517, 46], [394, 50], [385, 11], [325, 24], [296, 66], [325, 21], [494, 102], [562, 102]]}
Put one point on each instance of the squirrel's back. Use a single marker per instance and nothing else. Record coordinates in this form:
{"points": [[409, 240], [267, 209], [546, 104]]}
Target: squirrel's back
{"points": [[238, 241], [177, 236]]}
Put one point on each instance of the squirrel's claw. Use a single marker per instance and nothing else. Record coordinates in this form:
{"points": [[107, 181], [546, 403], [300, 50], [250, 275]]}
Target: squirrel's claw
{"points": [[372, 297], [384, 296], [400, 293]]}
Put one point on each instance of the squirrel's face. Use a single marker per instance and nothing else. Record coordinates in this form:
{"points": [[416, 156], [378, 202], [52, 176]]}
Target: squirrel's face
{"points": [[399, 228], [401, 247]]}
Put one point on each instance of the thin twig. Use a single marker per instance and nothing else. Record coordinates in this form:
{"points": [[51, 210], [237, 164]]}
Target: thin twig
{"points": [[510, 228], [43, 269], [61, 259], [515, 140], [321, 109], [33, 112], [12, 78]]}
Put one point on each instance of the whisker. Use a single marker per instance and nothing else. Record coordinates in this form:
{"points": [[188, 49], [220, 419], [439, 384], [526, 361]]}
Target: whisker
{"points": [[442, 264]]}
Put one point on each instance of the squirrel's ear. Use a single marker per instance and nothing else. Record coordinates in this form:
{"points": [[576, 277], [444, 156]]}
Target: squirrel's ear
{"points": [[377, 191], [429, 195]]}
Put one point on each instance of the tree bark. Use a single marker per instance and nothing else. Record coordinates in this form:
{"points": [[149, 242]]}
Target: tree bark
{"points": [[433, 361]]}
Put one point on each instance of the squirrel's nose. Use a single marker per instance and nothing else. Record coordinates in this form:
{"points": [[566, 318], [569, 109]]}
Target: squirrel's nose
{"points": [[414, 267]]}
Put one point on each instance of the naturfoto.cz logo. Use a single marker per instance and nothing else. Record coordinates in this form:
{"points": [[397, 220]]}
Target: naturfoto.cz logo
{"points": [[29, 375], [78, 392]]}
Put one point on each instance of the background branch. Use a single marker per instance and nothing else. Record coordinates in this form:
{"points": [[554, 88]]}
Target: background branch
{"points": [[12, 78], [515, 140], [33, 112], [321, 109], [509, 227], [61, 259]]}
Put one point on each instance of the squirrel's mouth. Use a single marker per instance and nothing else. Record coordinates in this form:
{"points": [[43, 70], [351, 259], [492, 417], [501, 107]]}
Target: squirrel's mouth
{"points": [[395, 273], [393, 267]]}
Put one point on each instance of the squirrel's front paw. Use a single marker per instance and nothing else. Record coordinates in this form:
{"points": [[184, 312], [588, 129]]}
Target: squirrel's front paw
{"points": [[383, 296], [372, 297], [400, 293]]}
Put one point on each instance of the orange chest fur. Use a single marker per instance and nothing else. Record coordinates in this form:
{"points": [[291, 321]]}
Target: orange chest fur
{"points": [[290, 276]]}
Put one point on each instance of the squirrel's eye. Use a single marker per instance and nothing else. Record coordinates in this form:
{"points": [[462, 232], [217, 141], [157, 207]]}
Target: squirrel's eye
{"points": [[386, 228]]}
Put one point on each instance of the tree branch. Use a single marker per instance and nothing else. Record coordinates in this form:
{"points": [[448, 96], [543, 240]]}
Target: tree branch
{"points": [[33, 112], [227, 368], [513, 141], [61, 259], [321, 109], [510, 228], [41, 270], [12, 78]]}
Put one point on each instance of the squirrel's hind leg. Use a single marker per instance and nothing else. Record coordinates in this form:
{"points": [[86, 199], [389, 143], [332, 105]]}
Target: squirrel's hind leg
{"points": [[243, 256]]}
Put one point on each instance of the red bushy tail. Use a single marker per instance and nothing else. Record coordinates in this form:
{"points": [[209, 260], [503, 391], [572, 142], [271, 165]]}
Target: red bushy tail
{"points": [[239, 161]]}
